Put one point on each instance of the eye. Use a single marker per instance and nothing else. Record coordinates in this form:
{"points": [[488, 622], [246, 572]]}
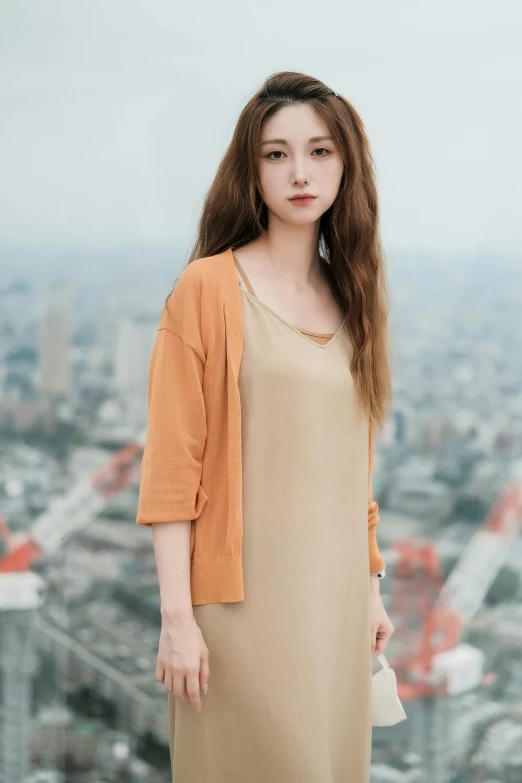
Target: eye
{"points": [[318, 149]]}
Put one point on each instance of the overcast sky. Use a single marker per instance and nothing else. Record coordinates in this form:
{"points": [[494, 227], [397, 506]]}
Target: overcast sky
{"points": [[114, 114]]}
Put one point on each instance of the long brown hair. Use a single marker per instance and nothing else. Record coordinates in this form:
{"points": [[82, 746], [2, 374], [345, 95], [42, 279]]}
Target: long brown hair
{"points": [[234, 214]]}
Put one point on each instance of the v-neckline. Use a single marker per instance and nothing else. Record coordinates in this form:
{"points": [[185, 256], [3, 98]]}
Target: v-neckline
{"points": [[295, 329]]}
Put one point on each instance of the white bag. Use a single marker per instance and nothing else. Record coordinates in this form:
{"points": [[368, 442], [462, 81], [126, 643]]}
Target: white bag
{"points": [[387, 709]]}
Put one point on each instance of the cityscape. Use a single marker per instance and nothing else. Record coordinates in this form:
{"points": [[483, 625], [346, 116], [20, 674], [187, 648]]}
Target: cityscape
{"points": [[79, 596], [116, 119]]}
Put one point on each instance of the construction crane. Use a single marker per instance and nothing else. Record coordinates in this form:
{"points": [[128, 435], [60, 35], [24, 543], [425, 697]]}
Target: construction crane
{"points": [[22, 593], [435, 666]]}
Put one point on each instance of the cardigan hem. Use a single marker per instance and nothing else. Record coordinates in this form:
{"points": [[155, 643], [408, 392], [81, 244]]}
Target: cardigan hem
{"points": [[216, 578]]}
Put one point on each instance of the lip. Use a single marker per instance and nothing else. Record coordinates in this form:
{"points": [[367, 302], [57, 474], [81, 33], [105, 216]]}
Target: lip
{"points": [[302, 197], [302, 200]]}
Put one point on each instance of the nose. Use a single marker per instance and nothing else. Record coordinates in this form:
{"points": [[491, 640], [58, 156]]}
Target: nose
{"points": [[300, 176]]}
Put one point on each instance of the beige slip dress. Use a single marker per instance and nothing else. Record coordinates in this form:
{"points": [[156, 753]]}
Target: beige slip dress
{"points": [[290, 666]]}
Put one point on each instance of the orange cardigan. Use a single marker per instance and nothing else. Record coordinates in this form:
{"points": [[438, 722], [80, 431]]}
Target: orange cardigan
{"points": [[191, 467]]}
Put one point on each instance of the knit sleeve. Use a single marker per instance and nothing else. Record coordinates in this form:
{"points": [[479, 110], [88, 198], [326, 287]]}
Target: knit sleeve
{"points": [[376, 559], [170, 480]]}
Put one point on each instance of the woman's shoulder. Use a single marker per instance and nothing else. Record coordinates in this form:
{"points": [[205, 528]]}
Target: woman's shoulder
{"points": [[205, 272], [201, 284]]}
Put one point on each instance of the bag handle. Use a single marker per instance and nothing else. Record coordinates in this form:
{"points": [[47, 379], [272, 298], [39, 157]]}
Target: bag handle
{"points": [[384, 663]]}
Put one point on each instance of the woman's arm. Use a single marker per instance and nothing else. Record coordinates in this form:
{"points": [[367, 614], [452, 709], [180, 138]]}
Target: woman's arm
{"points": [[171, 497], [376, 560], [171, 468], [171, 541], [183, 657], [382, 627]]}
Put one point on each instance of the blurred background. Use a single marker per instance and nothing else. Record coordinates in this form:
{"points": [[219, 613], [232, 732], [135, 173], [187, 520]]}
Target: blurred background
{"points": [[114, 116]]}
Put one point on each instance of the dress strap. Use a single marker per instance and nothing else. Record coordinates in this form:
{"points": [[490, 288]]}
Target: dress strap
{"points": [[244, 276]]}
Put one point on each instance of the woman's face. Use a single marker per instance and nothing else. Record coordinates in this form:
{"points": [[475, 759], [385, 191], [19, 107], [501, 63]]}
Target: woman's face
{"points": [[297, 155]]}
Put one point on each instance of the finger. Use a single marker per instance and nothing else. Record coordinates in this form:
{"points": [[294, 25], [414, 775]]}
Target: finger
{"points": [[193, 689], [167, 681], [204, 672], [373, 638], [381, 643], [160, 672], [178, 684]]}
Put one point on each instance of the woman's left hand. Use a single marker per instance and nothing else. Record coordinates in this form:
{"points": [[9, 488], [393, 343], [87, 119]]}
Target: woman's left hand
{"points": [[382, 627]]}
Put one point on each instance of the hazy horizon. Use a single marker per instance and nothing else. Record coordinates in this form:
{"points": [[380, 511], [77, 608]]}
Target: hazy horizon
{"points": [[115, 117]]}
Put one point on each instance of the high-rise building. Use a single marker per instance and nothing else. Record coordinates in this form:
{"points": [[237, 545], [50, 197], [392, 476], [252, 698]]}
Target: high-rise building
{"points": [[134, 340], [55, 342]]}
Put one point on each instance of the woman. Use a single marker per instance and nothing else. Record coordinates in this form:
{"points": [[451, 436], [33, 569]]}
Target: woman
{"points": [[268, 376]]}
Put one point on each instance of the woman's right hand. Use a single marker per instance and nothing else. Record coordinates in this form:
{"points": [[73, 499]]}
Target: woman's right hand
{"points": [[183, 659]]}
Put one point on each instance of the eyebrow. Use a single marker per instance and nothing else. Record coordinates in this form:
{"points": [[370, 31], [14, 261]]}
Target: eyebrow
{"points": [[313, 140]]}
